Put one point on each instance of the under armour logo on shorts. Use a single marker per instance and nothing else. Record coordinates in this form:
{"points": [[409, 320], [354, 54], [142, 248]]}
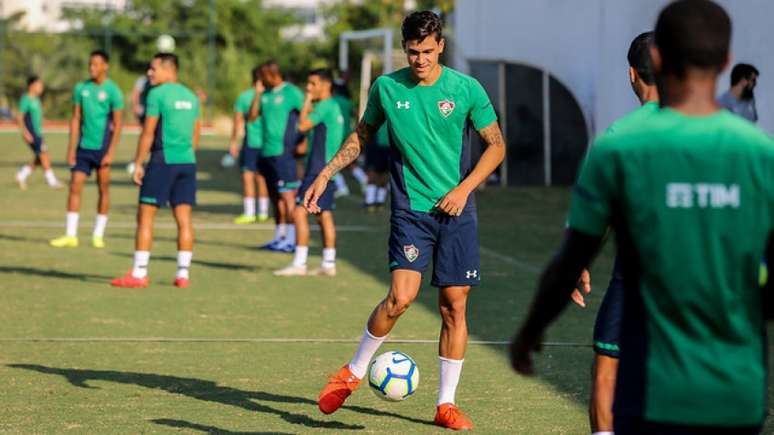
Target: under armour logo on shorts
{"points": [[471, 274]]}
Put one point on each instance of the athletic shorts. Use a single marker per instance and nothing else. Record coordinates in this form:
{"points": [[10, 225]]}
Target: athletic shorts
{"points": [[325, 202], [248, 159], [607, 328], [37, 145], [449, 243], [169, 183], [88, 160], [378, 158], [637, 426], [280, 173]]}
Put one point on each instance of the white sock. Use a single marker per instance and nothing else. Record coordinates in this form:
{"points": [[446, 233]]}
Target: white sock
{"points": [[24, 172], [280, 231], [381, 195], [604, 433], [183, 263], [140, 265], [50, 177], [290, 236], [451, 369], [249, 205], [72, 224], [299, 258], [365, 351], [100, 224], [359, 175], [370, 194], [263, 206], [329, 257], [341, 183]]}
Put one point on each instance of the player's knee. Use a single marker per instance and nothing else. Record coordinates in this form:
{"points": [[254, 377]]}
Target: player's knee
{"points": [[453, 312], [397, 304]]}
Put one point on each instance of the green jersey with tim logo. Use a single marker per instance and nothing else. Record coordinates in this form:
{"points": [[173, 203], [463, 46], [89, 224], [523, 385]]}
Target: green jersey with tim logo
{"points": [[692, 202], [97, 102], [280, 108], [253, 130], [428, 126], [177, 108]]}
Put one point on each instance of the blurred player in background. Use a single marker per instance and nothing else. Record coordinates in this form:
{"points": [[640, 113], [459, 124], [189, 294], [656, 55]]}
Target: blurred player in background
{"points": [[30, 121], [740, 98], [427, 108], [140, 95], [322, 121], [95, 128], [249, 156], [343, 97], [677, 186], [170, 134], [378, 167], [278, 105]]}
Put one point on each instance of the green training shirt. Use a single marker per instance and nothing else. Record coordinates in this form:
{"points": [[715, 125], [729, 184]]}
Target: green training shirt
{"points": [[280, 108], [346, 106], [692, 203], [382, 137], [253, 130], [634, 117], [177, 108], [98, 102], [428, 125], [32, 111], [326, 136]]}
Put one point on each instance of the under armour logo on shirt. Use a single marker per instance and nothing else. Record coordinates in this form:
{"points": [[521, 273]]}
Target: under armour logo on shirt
{"points": [[403, 104], [471, 274]]}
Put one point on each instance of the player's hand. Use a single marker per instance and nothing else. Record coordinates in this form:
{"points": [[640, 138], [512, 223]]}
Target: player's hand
{"points": [[27, 137], [139, 173], [522, 348], [233, 150], [314, 192], [453, 203], [71, 158], [259, 87], [584, 287], [302, 148]]}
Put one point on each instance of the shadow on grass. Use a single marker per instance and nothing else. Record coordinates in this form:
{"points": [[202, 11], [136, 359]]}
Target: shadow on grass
{"points": [[210, 391], [182, 424], [205, 263], [51, 273], [23, 239]]}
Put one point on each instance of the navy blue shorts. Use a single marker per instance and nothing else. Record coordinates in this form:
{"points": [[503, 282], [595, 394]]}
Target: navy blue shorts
{"points": [[248, 159], [88, 160], [37, 145], [325, 202], [280, 173], [450, 243], [607, 328], [167, 183], [378, 158]]}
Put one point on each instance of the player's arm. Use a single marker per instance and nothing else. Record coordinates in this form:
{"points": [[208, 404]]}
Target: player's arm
{"points": [[555, 286], [304, 122], [236, 133], [118, 119], [348, 153], [768, 288], [26, 134], [453, 203], [197, 133], [144, 146], [255, 105], [75, 133]]}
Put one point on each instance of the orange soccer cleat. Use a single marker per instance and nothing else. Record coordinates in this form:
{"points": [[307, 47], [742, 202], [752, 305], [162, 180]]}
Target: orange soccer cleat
{"points": [[339, 387], [450, 417], [129, 281], [182, 282]]}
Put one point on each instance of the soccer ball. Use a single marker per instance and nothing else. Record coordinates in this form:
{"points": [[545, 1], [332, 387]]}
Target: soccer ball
{"points": [[166, 43], [393, 376], [130, 168], [228, 161]]}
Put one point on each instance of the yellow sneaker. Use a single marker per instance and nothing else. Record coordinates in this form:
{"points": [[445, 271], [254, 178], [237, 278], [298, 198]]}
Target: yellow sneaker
{"points": [[244, 220], [263, 217], [64, 242], [98, 242]]}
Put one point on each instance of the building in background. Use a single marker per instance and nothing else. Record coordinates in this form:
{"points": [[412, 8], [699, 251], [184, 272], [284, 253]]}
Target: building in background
{"points": [[46, 15], [556, 71]]}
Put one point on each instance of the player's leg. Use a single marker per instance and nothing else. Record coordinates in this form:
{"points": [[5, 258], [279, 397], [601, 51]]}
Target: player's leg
{"points": [[143, 241], [370, 191], [70, 239], [298, 266], [328, 229], [287, 200], [604, 373], [381, 190], [263, 197], [103, 204], [185, 240], [248, 163], [45, 163]]}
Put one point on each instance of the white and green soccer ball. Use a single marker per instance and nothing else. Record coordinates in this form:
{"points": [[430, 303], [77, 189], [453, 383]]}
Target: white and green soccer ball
{"points": [[130, 168], [166, 43], [228, 161], [393, 376]]}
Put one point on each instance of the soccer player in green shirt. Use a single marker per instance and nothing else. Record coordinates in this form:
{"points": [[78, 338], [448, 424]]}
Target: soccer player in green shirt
{"points": [[428, 109], [249, 156], [30, 121], [323, 123], [95, 128], [278, 108], [170, 134], [378, 167], [688, 191]]}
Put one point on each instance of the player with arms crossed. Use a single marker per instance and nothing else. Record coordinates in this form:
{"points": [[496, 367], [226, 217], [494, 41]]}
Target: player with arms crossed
{"points": [[428, 108], [676, 187], [30, 121], [249, 156], [171, 135], [95, 128]]}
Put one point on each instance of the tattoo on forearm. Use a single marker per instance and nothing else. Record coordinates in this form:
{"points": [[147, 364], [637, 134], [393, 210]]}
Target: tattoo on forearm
{"points": [[349, 150], [492, 135]]}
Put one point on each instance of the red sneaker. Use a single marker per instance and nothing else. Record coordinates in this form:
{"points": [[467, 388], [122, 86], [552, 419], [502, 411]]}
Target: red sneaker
{"points": [[450, 417], [129, 281], [339, 387], [182, 282]]}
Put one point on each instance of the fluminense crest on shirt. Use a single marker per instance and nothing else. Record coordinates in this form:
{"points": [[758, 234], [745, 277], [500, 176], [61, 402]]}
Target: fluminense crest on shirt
{"points": [[411, 252], [446, 107]]}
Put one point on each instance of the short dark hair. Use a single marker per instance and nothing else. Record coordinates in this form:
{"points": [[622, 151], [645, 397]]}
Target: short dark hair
{"points": [[419, 25], [323, 73], [101, 53], [742, 71], [168, 58], [639, 57], [32, 79], [693, 34], [255, 73]]}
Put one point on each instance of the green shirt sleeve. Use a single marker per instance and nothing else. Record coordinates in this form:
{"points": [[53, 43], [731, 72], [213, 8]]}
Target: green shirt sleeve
{"points": [[116, 98], [298, 99], [24, 104], [77, 95], [481, 111], [374, 112], [153, 103], [239, 105], [319, 112], [592, 199]]}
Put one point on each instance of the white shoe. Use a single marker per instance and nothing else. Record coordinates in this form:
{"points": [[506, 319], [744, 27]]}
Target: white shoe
{"points": [[341, 192], [291, 271], [22, 182], [324, 271], [56, 185]]}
